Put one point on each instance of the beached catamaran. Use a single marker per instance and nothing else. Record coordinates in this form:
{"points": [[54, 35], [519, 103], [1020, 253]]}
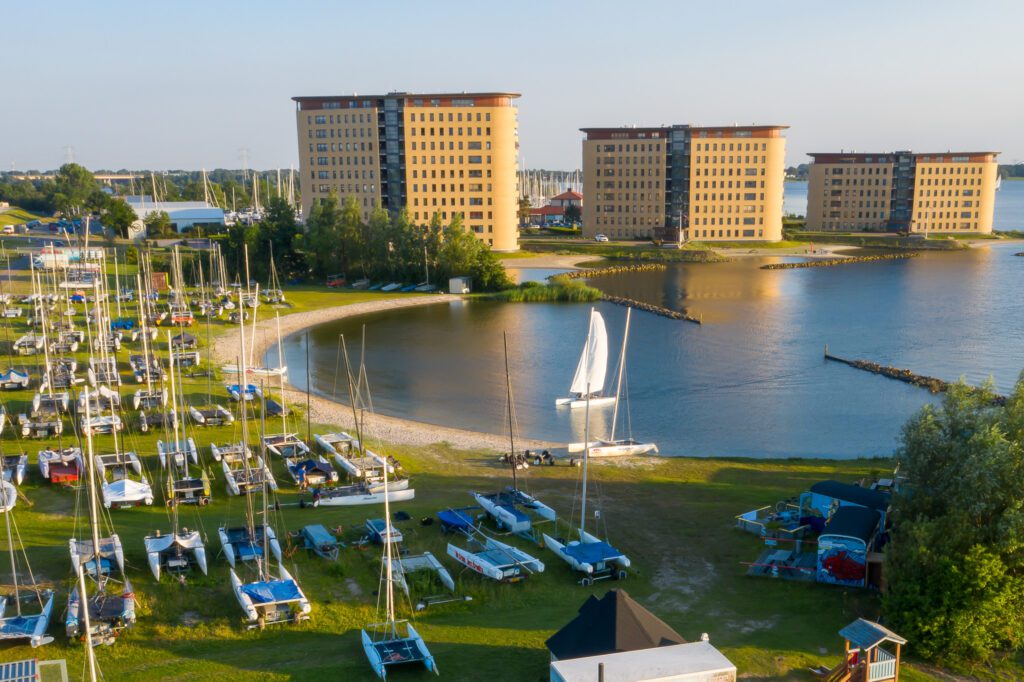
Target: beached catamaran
{"points": [[272, 597], [623, 446], [100, 605], [483, 554], [588, 382], [512, 508], [590, 555], [32, 606], [385, 644]]}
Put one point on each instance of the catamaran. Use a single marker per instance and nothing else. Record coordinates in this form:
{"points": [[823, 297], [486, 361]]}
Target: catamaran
{"points": [[103, 606], [588, 382], [513, 508], [384, 644], [24, 623], [188, 481], [625, 446], [595, 558], [482, 553]]}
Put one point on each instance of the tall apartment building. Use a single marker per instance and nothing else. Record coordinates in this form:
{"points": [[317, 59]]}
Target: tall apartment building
{"points": [[432, 153], [714, 184], [902, 192]]}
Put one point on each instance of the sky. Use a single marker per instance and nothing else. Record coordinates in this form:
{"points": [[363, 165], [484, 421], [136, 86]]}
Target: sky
{"points": [[188, 84]]}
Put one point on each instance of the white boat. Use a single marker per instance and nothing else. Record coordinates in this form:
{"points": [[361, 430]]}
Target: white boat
{"points": [[230, 451], [311, 471], [511, 509], [588, 382], [100, 424], [286, 445], [360, 493], [179, 451], [144, 399], [8, 496], [13, 380], [175, 552], [242, 480], [271, 600], [255, 371], [358, 462], [59, 466], [485, 555], [120, 488], [15, 468], [424, 563], [249, 391], [211, 415], [612, 447], [240, 543], [32, 606], [380, 531], [30, 344], [595, 558]]}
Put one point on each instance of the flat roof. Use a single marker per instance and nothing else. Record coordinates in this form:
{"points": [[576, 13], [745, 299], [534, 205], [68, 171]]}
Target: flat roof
{"points": [[491, 98], [646, 664], [886, 157]]}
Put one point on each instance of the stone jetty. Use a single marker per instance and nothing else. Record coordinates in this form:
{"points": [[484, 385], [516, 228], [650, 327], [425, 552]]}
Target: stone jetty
{"points": [[650, 308], [829, 262], [611, 270]]}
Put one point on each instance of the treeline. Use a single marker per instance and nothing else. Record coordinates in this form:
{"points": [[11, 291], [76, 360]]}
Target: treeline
{"points": [[1011, 170], [336, 240]]}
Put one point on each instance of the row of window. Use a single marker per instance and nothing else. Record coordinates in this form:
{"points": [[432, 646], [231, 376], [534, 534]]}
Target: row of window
{"points": [[733, 146], [473, 145], [952, 181], [734, 160], [348, 189], [324, 133], [451, 201], [629, 196], [728, 208], [472, 173], [637, 184], [629, 208], [627, 172], [859, 182], [343, 161], [451, 117], [704, 234], [645, 147], [728, 221], [355, 118], [860, 215], [963, 215], [945, 204], [451, 132], [835, 203], [349, 147], [859, 170], [858, 193], [473, 215], [451, 159], [948, 170], [472, 187], [627, 160], [345, 175]]}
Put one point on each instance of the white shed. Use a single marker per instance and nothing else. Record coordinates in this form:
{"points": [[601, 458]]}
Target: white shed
{"points": [[460, 285], [692, 662]]}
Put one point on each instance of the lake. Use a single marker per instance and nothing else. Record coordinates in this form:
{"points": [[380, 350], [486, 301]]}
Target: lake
{"points": [[1009, 212], [751, 381]]}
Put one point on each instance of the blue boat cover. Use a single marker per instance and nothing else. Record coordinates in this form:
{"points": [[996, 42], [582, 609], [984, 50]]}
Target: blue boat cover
{"points": [[592, 552], [247, 549], [455, 518], [318, 535], [272, 591], [19, 626], [12, 374]]}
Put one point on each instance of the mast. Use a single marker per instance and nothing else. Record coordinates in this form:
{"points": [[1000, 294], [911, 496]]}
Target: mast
{"points": [[175, 444], [511, 433], [10, 545], [93, 513], [90, 654], [390, 597], [622, 367], [586, 427], [145, 340]]}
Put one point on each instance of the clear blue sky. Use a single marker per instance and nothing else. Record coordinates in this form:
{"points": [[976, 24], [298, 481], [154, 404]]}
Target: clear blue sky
{"points": [[186, 84]]}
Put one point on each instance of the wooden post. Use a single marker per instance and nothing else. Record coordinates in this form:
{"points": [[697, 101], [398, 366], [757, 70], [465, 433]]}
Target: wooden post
{"points": [[896, 675]]}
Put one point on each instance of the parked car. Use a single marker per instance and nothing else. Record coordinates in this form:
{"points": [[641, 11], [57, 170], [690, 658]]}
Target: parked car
{"points": [[8, 229], [600, 238], [336, 280]]}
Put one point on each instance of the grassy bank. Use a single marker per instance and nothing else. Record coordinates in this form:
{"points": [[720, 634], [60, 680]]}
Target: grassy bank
{"points": [[16, 216], [558, 289], [877, 242], [640, 253]]}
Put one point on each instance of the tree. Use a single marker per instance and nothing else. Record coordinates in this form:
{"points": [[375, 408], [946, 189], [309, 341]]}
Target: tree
{"points": [[158, 224], [955, 565], [524, 210], [118, 216], [572, 214], [322, 236], [73, 186], [279, 230]]}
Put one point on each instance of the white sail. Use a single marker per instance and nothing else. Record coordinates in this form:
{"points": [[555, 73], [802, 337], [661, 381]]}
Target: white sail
{"points": [[594, 360]]}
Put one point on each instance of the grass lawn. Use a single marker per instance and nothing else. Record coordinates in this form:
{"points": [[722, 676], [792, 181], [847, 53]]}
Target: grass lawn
{"points": [[16, 216], [674, 517]]}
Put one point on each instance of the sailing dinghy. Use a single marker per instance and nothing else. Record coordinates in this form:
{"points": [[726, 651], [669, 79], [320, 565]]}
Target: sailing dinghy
{"points": [[485, 555], [622, 447], [23, 623], [588, 382]]}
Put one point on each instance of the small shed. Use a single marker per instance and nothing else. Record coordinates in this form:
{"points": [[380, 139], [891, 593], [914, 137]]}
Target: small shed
{"points": [[613, 623], [460, 285], [844, 544], [693, 662], [865, 659]]}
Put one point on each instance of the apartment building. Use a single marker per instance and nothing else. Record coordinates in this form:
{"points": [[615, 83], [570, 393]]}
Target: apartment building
{"points": [[707, 183], [431, 154], [902, 192]]}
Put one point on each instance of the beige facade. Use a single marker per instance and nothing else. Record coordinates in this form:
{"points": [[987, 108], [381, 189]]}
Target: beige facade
{"points": [[716, 184], [442, 154], [736, 188], [952, 192]]}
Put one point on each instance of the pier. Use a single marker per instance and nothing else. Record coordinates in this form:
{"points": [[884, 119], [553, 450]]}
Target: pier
{"points": [[905, 375], [650, 308], [829, 262]]}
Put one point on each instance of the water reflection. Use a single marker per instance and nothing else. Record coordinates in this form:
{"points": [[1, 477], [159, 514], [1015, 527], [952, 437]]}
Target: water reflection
{"points": [[750, 381]]}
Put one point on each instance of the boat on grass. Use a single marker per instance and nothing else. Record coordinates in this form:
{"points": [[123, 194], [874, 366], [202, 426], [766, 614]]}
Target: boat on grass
{"points": [[484, 554]]}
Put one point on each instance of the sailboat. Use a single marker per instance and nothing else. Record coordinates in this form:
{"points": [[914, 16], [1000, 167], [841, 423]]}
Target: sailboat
{"points": [[270, 598], [624, 446], [110, 607], [385, 644], [180, 550], [22, 624], [513, 508], [588, 382], [595, 558]]}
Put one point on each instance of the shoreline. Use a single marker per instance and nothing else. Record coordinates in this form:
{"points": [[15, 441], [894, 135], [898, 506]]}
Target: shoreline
{"points": [[325, 411]]}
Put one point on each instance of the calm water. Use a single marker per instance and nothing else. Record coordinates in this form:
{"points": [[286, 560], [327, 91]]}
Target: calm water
{"points": [[749, 382], [1009, 213]]}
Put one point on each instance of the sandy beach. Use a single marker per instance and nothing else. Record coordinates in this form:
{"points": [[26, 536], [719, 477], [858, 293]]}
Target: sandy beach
{"points": [[225, 348]]}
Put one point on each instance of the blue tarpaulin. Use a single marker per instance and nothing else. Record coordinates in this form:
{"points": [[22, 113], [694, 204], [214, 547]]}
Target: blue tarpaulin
{"points": [[19, 626], [272, 591], [592, 552], [455, 519]]}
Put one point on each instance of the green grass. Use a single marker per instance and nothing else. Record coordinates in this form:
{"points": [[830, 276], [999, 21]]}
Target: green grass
{"points": [[16, 216], [558, 289], [512, 255], [674, 517], [782, 244]]}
